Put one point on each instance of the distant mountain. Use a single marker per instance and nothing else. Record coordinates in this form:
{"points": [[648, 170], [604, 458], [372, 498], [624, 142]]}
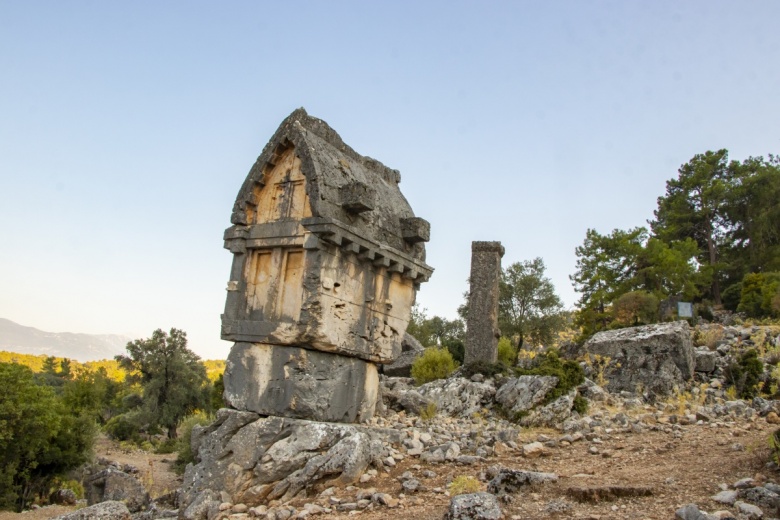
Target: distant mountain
{"points": [[81, 347]]}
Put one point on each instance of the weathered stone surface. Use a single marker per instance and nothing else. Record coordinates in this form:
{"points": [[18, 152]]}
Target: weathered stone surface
{"points": [[705, 360], [654, 357], [109, 510], [749, 511], [519, 394], [300, 383], [474, 506], [458, 396], [762, 497], [691, 512], [112, 484], [602, 493], [327, 251], [511, 480], [411, 349], [482, 324], [327, 256], [552, 414], [254, 459]]}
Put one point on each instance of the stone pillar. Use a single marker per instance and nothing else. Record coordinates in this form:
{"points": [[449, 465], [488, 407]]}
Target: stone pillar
{"points": [[482, 325]]}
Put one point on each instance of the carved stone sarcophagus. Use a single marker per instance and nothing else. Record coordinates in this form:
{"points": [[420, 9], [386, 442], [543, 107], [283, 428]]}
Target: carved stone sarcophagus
{"points": [[328, 256]]}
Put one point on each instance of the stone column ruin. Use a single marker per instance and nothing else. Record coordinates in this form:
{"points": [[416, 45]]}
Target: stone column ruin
{"points": [[482, 331]]}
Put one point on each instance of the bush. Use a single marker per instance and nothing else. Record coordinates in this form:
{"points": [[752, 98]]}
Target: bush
{"points": [[744, 375], [124, 427], [457, 349], [759, 290], [580, 405], [507, 353], [569, 373], [39, 438], [435, 363], [183, 440], [635, 308]]}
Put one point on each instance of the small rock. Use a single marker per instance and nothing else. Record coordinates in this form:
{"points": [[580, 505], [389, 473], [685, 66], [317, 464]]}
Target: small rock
{"points": [[533, 450], [750, 511], [474, 506], [726, 497]]}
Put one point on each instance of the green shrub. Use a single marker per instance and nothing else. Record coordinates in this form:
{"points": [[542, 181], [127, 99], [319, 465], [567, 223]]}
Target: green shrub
{"points": [[635, 308], [40, 439], [124, 427], [507, 353], [745, 374], [183, 444], [167, 446], [457, 349], [569, 373], [758, 292], [580, 405], [435, 363]]}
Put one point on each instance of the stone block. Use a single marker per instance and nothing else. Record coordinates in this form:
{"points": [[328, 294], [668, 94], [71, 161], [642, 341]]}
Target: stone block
{"points": [[358, 197], [300, 383], [415, 229], [655, 358], [482, 324], [411, 349], [519, 394]]}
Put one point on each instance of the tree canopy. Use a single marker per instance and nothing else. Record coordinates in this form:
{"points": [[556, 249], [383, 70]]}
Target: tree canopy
{"points": [[172, 377], [529, 310], [717, 222]]}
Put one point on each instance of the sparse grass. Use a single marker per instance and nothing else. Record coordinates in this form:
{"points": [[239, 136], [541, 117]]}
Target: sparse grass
{"points": [[464, 484], [429, 412], [708, 337], [598, 364]]}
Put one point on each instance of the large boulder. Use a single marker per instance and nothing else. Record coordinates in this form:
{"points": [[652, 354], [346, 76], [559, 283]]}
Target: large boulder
{"points": [[520, 394], [457, 396], [109, 510], [300, 383], [255, 459], [474, 506], [653, 358], [115, 485], [411, 349]]}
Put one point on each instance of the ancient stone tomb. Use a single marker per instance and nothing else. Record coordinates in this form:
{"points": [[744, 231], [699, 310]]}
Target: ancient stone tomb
{"points": [[327, 259]]}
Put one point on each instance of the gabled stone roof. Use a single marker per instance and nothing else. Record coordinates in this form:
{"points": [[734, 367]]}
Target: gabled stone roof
{"points": [[358, 192]]}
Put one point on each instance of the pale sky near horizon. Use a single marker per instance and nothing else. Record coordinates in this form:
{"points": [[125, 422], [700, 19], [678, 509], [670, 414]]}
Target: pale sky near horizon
{"points": [[127, 128]]}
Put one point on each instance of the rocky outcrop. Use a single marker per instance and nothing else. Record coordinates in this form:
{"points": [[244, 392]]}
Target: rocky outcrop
{"points": [[474, 506], [411, 349], [255, 459], [113, 485], [655, 358], [520, 394], [458, 397], [109, 510]]}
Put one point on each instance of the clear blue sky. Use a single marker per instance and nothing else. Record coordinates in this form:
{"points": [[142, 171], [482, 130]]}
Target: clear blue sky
{"points": [[127, 128]]}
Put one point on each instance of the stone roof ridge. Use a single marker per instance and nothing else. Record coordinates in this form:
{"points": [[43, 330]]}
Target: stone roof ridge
{"points": [[323, 130]]}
